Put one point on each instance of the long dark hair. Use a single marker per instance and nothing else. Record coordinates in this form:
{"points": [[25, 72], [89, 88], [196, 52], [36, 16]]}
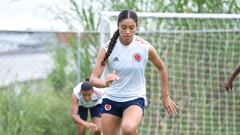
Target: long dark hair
{"points": [[124, 14]]}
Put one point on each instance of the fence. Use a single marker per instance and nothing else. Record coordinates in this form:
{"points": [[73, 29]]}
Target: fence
{"points": [[200, 53], [26, 56]]}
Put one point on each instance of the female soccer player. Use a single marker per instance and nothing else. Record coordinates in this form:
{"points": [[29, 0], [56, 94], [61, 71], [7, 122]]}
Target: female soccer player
{"points": [[86, 97], [228, 85], [124, 59]]}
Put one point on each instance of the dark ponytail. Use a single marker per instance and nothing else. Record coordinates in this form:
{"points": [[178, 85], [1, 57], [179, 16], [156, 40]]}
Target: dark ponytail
{"points": [[86, 86], [110, 46]]}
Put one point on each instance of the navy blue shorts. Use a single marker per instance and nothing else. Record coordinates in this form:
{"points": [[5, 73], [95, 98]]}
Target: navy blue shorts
{"points": [[117, 108], [94, 111]]}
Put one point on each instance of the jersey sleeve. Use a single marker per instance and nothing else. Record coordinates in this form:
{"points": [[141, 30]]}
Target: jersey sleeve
{"points": [[99, 92], [76, 90]]}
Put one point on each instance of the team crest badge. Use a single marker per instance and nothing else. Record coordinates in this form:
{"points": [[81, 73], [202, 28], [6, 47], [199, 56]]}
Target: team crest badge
{"points": [[107, 107], [137, 57]]}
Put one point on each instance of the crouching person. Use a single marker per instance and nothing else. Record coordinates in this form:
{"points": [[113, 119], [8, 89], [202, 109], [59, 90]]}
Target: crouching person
{"points": [[86, 98]]}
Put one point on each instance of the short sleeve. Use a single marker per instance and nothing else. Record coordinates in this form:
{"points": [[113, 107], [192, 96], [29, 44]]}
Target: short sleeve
{"points": [[99, 92], [76, 90]]}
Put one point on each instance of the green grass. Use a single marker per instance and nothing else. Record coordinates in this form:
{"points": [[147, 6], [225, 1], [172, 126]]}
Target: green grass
{"points": [[46, 112]]}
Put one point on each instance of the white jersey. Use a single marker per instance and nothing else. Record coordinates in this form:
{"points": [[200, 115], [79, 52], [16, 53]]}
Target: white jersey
{"points": [[129, 62], [95, 100]]}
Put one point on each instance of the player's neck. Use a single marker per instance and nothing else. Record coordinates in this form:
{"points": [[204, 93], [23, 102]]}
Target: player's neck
{"points": [[125, 43]]}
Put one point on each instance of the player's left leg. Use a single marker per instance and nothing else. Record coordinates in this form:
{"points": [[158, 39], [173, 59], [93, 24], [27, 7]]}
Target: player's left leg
{"points": [[96, 118], [132, 116], [82, 112], [97, 121]]}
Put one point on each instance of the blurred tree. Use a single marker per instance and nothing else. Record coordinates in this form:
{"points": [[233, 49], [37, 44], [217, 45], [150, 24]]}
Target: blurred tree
{"points": [[85, 14]]}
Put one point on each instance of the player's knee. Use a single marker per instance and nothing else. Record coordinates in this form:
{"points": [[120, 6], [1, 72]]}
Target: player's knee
{"points": [[81, 132], [97, 132], [128, 129]]}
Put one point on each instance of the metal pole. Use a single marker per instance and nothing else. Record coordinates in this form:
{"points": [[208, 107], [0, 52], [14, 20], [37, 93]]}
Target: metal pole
{"points": [[78, 57], [101, 30]]}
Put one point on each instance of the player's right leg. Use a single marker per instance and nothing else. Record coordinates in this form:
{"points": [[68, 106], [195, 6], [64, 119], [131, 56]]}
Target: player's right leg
{"points": [[111, 117], [81, 130]]}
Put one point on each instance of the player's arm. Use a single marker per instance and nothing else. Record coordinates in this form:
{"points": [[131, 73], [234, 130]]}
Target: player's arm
{"points": [[155, 59], [228, 85], [74, 112], [235, 73], [167, 102], [98, 70], [76, 118]]}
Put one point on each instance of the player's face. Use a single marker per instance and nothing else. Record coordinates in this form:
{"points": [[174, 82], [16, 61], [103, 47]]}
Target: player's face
{"points": [[127, 29], [87, 95]]}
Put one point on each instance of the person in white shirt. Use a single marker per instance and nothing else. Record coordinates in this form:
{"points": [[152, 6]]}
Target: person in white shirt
{"points": [[123, 60], [86, 98]]}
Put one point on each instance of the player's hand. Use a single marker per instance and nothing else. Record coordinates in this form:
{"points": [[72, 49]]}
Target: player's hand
{"points": [[93, 127], [170, 106], [228, 86], [111, 77]]}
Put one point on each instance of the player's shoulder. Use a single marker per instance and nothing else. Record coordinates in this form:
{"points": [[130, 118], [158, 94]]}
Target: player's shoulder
{"points": [[76, 89], [101, 90], [78, 86], [141, 41], [105, 45], [98, 91]]}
